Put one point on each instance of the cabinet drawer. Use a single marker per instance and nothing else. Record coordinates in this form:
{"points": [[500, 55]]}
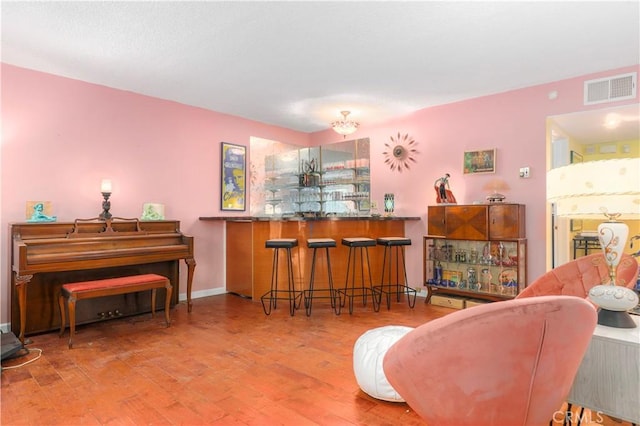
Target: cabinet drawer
{"points": [[447, 301], [470, 303]]}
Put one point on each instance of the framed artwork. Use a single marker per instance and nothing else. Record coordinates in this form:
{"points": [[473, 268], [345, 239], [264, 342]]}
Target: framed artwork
{"points": [[482, 161], [39, 211], [575, 157], [575, 225], [233, 177]]}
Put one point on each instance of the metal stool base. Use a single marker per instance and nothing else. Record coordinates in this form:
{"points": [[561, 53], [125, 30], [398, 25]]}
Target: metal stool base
{"points": [[325, 293], [357, 245], [388, 288], [270, 298]]}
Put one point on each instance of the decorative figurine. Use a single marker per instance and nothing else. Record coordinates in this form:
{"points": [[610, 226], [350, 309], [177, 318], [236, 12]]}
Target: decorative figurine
{"points": [[152, 211], [443, 193], [389, 204]]}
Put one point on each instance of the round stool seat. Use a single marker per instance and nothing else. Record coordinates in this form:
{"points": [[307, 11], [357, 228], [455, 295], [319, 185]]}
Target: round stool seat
{"points": [[281, 243], [368, 353], [359, 242], [394, 241], [321, 242]]}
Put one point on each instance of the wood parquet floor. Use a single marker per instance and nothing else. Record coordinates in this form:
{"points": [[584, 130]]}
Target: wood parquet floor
{"points": [[226, 363]]}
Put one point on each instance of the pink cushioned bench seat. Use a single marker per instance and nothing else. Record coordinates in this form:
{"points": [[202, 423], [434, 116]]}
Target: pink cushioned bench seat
{"points": [[73, 292]]}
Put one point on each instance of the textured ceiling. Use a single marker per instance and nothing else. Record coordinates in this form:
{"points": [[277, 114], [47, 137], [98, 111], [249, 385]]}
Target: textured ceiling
{"points": [[297, 64]]}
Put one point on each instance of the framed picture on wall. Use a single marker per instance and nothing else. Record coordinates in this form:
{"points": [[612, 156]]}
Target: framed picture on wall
{"points": [[233, 177], [482, 161], [575, 225], [575, 157]]}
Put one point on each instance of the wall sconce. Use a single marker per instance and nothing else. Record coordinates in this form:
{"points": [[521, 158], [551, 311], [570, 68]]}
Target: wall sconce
{"points": [[105, 189]]}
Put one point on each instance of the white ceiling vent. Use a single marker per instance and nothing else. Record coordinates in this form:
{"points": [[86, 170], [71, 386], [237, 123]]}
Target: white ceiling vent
{"points": [[610, 89]]}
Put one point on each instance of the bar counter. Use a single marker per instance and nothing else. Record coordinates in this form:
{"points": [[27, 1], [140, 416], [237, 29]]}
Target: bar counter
{"points": [[249, 263]]}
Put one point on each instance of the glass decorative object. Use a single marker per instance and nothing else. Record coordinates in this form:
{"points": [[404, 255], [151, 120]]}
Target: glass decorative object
{"points": [[389, 203]]}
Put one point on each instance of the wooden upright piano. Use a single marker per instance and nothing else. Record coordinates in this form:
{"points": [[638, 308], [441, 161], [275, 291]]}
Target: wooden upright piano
{"points": [[47, 255]]}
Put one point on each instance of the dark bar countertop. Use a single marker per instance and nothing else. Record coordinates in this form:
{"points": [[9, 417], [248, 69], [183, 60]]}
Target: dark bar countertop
{"points": [[302, 218]]}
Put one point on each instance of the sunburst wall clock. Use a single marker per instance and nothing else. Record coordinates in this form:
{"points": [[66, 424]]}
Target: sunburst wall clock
{"points": [[400, 153]]}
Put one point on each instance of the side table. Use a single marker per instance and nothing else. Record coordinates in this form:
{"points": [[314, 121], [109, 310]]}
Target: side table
{"points": [[586, 243], [608, 380]]}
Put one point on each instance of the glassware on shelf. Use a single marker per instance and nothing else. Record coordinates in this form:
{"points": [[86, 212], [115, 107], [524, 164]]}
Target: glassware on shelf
{"points": [[472, 278], [438, 274], [500, 253], [485, 279], [461, 256], [473, 256]]}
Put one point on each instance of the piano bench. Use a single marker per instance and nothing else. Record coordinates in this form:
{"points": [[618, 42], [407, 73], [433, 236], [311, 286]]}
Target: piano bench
{"points": [[73, 292]]}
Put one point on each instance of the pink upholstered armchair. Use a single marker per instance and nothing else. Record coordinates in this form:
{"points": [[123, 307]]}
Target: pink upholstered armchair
{"points": [[502, 363], [577, 277]]}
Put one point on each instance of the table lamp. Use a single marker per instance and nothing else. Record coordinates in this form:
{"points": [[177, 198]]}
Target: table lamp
{"points": [[105, 189], [590, 190], [496, 185]]}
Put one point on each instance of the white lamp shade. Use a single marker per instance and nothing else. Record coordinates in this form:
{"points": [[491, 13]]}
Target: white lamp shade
{"points": [[105, 185], [587, 190]]}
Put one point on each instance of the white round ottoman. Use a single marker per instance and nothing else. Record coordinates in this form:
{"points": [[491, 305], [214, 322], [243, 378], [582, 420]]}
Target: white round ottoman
{"points": [[368, 353]]}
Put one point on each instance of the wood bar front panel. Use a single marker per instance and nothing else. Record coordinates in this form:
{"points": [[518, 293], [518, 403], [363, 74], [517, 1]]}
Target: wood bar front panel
{"points": [[262, 258], [239, 257]]}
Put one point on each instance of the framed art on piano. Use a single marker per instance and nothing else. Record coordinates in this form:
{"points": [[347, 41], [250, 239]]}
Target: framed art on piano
{"points": [[233, 177]]}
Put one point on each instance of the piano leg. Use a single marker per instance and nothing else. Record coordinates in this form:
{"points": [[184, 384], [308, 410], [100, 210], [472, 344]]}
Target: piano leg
{"points": [[21, 287], [191, 266]]}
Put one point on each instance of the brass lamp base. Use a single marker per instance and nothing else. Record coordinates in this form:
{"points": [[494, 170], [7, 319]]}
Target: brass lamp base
{"points": [[617, 319]]}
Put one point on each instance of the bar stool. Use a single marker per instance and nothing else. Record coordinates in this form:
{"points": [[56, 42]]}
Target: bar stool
{"points": [[291, 294], [309, 295], [357, 245], [389, 287]]}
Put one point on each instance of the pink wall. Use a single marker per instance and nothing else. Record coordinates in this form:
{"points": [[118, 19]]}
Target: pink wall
{"points": [[512, 122], [60, 137]]}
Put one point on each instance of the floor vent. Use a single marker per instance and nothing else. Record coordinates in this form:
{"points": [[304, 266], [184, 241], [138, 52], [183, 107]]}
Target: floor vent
{"points": [[610, 89]]}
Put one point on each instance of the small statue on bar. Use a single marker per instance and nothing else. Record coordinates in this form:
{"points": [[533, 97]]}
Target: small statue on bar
{"points": [[443, 193]]}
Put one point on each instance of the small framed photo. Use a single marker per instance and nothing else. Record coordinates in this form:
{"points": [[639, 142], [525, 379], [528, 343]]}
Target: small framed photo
{"points": [[482, 161], [39, 211], [233, 177]]}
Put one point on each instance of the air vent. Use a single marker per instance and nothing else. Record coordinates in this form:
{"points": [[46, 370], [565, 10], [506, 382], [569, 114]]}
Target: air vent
{"points": [[610, 89]]}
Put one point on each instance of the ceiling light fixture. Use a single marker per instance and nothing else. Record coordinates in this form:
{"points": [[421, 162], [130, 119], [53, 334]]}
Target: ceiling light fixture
{"points": [[345, 126], [612, 120]]}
